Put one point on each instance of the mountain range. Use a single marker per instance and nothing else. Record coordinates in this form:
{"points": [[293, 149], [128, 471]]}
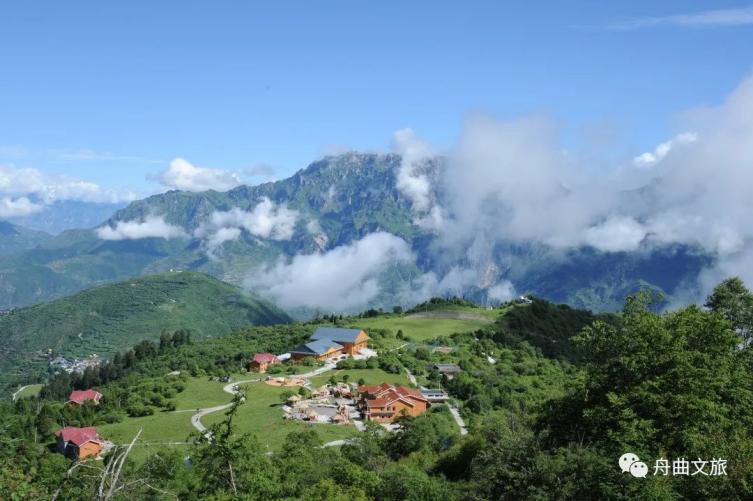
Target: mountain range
{"points": [[341, 220]]}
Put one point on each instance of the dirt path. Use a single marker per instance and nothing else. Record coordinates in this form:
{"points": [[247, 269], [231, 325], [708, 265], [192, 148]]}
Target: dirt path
{"points": [[458, 419], [20, 390]]}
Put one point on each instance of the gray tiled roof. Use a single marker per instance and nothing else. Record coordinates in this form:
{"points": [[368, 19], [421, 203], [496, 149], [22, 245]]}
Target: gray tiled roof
{"points": [[317, 347]]}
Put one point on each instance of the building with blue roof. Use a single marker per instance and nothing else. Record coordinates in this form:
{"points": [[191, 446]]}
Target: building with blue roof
{"points": [[328, 342]]}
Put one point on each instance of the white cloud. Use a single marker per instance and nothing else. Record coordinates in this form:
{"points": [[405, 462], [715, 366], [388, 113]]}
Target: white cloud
{"points": [[652, 157], [412, 181], [510, 183], [502, 291], [150, 227], [30, 182], [181, 175], [21, 206], [616, 234], [221, 236], [266, 220], [344, 278], [740, 16]]}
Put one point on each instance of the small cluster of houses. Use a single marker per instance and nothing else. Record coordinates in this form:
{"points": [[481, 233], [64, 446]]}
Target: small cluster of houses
{"points": [[76, 365], [327, 343], [81, 443], [341, 403]]}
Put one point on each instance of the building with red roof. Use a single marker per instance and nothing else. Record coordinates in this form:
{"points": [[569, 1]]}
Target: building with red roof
{"points": [[79, 443], [262, 361], [384, 402], [79, 397]]}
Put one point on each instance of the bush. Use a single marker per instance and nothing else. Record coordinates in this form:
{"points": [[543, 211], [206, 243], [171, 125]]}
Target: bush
{"points": [[140, 410], [112, 418]]}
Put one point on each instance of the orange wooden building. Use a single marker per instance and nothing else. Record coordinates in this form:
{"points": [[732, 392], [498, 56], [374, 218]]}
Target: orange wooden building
{"points": [[384, 403], [328, 342], [261, 362], [79, 443]]}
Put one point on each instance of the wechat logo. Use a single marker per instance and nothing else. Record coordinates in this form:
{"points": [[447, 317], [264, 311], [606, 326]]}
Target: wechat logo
{"points": [[631, 463]]}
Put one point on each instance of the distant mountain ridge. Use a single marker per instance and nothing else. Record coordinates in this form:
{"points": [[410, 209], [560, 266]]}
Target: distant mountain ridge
{"points": [[67, 215], [116, 316], [15, 238], [338, 201]]}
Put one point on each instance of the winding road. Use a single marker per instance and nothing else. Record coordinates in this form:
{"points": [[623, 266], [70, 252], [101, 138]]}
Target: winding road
{"points": [[232, 389], [20, 390]]}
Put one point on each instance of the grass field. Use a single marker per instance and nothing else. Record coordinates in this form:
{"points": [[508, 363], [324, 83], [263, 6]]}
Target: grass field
{"points": [[371, 376], [163, 428], [424, 328], [200, 392], [30, 391], [261, 416], [160, 431]]}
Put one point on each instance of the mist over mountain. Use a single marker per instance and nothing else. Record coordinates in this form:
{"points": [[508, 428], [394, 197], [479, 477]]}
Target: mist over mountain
{"points": [[506, 211], [338, 235], [64, 215]]}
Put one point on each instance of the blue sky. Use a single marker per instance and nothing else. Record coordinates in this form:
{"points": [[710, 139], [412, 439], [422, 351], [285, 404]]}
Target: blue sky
{"points": [[112, 93]]}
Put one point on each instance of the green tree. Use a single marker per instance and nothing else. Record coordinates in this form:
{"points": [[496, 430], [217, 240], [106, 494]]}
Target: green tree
{"points": [[732, 300]]}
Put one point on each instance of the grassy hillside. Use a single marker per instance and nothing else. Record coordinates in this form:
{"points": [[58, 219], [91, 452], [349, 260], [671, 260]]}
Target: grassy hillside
{"points": [[116, 316]]}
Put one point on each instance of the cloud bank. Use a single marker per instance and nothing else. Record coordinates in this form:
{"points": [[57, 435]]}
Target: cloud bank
{"points": [[343, 278], [46, 189], [21, 206], [265, 220], [150, 227], [508, 183], [513, 182], [182, 175]]}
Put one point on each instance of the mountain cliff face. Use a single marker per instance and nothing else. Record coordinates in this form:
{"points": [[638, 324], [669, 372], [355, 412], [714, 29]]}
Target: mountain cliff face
{"points": [[326, 209]]}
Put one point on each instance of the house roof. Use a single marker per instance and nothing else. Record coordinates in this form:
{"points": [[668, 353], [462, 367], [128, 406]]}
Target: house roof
{"points": [[392, 396], [443, 349], [78, 436], [448, 368], [385, 394], [318, 347], [264, 358], [81, 396], [336, 334], [374, 389]]}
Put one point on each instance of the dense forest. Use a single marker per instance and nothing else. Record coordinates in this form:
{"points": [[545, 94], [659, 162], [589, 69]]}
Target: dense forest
{"points": [[569, 394]]}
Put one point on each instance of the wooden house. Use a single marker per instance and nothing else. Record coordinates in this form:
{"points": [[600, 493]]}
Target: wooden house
{"points": [[80, 397], [384, 403], [79, 443], [328, 342], [261, 362]]}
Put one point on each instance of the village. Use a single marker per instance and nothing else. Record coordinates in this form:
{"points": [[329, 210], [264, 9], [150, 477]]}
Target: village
{"points": [[335, 403]]}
